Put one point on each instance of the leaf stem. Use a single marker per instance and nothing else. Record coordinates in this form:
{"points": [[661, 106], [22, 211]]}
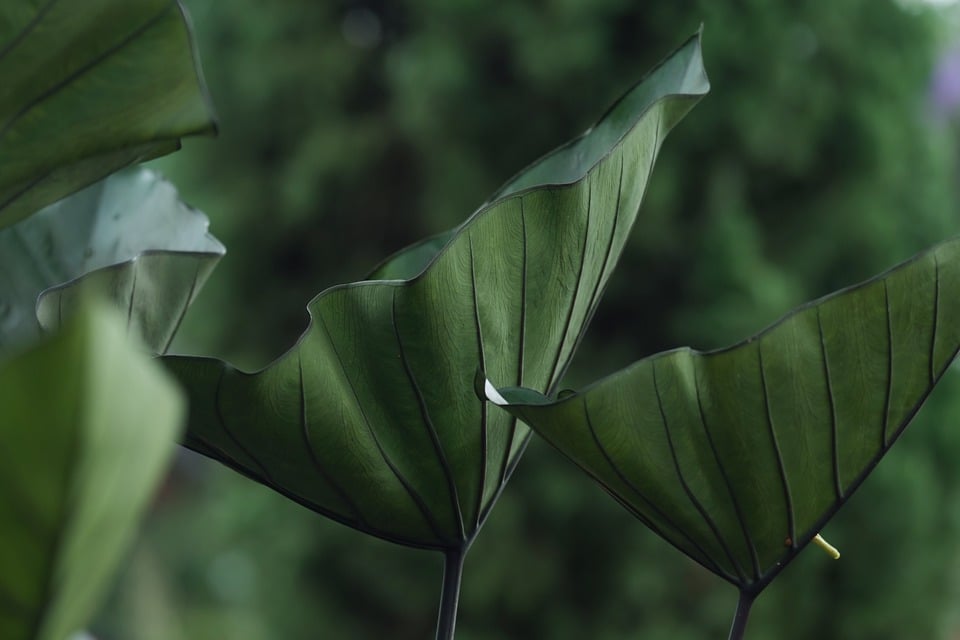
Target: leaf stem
{"points": [[450, 593], [740, 617]]}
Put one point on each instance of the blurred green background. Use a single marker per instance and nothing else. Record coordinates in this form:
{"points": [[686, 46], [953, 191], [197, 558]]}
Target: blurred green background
{"points": [[348, 129]]}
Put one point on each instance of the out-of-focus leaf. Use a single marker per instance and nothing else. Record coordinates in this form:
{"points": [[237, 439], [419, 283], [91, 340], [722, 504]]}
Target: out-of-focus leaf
{"points": [[371, 418], [87, 88], [128, 239], [87, 425], [739, 457]]}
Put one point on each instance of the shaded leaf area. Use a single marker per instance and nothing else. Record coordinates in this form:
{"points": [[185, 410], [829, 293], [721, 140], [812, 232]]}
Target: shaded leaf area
{"points": [[88, 89], [738, 457], [371, 418], [411, 260], [128, 239], [87, 425]]}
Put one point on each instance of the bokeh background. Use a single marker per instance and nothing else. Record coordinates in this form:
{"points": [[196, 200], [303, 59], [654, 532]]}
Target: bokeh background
{"points": [[826, 152]]}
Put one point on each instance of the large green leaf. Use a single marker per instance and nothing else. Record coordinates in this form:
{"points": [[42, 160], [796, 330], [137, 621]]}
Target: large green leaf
{"points": [[738, 457], [371, 417], [87, 88], [128, 239], [87, 425]]}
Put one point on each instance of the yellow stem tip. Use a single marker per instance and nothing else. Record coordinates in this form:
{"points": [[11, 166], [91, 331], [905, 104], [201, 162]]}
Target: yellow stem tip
{"points": [[826, 546]]}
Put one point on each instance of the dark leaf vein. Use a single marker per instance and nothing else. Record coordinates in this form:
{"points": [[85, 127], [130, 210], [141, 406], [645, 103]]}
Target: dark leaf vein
{"points": [[414, 496], [428, 421], [705, 559], [135, 267], [63, 83], [602, 276], [886, 401], [748, 538], [834, 441], [558, 365], [183, 310], [522, 340], [686, 486], [484, 445], [218, 399], [314, 457], [788, 498], [27, 29]]}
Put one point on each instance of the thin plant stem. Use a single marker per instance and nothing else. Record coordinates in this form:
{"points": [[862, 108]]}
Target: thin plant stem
{"points": [[450, 593], [740, 617]]}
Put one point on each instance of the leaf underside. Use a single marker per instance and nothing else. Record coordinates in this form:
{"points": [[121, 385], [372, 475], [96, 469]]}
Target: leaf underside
{"points": [[371, 418], [738, 457], [89, 88], [128, 239], [87, 425]]}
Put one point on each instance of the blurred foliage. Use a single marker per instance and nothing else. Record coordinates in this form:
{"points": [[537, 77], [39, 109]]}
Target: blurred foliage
{"points": [[349, 130]]}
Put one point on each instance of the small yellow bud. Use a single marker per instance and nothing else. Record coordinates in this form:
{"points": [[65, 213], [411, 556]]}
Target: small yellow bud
{"points": [[826, 546]]}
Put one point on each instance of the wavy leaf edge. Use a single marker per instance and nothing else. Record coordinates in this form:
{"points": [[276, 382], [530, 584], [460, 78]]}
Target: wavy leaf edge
{"points": [[209, 252], [536, 398], [216, 250], [494, 202], [684, 82], [518, 398], [502, 193]]}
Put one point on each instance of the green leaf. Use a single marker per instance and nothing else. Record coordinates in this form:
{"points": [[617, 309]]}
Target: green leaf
{"points": [[88, 88], [410, 261], [128, 239], [371, 418], [739, 457], [87, 425]]}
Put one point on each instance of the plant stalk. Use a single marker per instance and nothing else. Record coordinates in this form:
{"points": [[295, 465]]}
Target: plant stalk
{"points": [[450, 593], [740, 617]]}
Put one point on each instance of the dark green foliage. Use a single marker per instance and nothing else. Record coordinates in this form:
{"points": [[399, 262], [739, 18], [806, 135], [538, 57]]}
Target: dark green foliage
{"points": [[371, 418], [739, 457], [89, 92], [809, 167]]}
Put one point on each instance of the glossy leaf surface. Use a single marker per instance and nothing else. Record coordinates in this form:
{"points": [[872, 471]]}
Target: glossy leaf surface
{"points": [[128, 238], [87, 88], [87, 425], [371, 417], [738, 457]]}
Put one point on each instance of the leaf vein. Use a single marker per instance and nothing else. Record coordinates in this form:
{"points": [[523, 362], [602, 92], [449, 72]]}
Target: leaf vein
{"points": [[414, 496], [183, 311], [484, 445], [686, 486], [218, 399], [314, 456], [781, 468], [747, 536], [834, 440], [27, 29], [707, 561], [889, 392], [558, 367], [68, 80], [598, 288], [428, 421]]}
